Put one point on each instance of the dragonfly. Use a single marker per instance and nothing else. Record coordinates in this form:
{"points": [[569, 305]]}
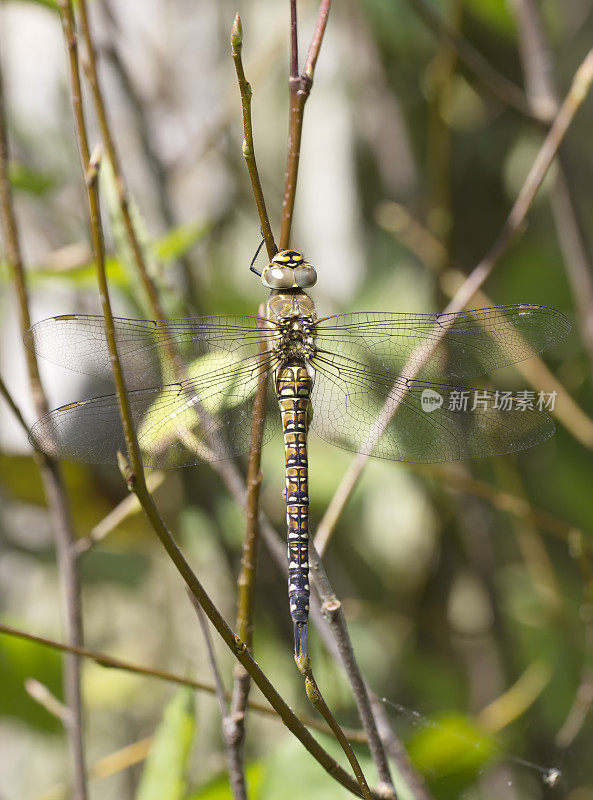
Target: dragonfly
{"points": [[372, 383]]}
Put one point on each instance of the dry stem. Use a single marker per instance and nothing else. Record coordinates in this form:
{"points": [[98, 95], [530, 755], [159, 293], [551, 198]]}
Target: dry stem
{"points": [[300, 89], [53, 484]]}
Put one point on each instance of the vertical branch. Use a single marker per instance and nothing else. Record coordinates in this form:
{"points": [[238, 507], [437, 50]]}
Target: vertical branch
{"points": [[248, 147], [235, 730], [111, 150], [300, 89], [53, 484], [294, 41]]}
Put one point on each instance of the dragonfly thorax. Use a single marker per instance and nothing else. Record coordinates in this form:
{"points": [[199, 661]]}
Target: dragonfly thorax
{"points": [[288, 270], [297, 337]]}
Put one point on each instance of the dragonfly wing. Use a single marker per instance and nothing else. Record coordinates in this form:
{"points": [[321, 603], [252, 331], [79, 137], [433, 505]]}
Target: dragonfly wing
{"points": [[419, 421], [444, 346], [145, 347], [205, 418]]}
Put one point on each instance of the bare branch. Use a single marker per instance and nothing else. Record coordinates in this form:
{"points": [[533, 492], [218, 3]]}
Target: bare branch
{"points": [[300, 89], [53, 484], [248, 146]]}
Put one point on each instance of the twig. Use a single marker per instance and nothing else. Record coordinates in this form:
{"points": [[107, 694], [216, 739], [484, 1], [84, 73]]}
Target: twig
{"points": [[51, 476], [111, 150], [248, 147], [493, 80], [124, 509], [234, 754], [317, 701], [294, 41], [108, 661], [420, 241], [397, 752], [300, 89], [42, 695], [331, 608], [246, 585], [12, 405], [330, 637], [580, 86]]}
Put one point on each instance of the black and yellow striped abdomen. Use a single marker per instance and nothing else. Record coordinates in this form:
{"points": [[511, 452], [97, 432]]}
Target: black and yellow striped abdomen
{"points": [[293, 386]]}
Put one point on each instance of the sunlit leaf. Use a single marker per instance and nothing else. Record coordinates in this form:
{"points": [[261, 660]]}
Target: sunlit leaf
{"points": [[163, 777], [26, 179], [219, 788], [177, 241], [20, 660], [453, 744]]}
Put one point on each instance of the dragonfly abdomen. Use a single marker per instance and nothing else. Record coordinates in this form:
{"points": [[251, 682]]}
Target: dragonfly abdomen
{"points": [[293, 385]]}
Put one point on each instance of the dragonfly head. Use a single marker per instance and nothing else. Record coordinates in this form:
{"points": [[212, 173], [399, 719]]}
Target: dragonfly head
{"points": [[288, 270]]}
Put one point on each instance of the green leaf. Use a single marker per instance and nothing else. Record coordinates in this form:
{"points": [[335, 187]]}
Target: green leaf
{"points": [[20, 660], [177, 241], [163, 777], [219, 789], [453, 745], [26, 179]]}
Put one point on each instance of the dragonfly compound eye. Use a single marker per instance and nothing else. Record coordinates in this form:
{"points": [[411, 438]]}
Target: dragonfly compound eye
{"points": [[305, 276], [275, 277]]}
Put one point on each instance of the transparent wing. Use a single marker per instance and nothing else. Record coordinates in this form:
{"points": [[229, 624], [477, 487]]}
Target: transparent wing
{"points": [[78, 342], [204, 418], [444, 346], [413, 420]]}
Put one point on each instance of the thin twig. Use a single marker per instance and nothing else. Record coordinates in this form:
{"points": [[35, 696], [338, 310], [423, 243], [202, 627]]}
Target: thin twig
{"points": [[234, 754], [578, 91], [111, 151], [337, 641], [419, 240], [331, 608], [397, 752], [317, 701], [300, 89], [111, 662], [294, 40], [51, 476], [124, 509], [493, 80], [248, 147], [235, 731], [12, 405]]}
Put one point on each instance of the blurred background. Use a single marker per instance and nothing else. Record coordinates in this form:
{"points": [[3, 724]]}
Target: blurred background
{"points": [[466, 587]]}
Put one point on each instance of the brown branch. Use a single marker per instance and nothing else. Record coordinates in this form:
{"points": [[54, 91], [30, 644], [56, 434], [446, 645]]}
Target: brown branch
{"points": [[294, 40], [331, 608], [53, 483], [11, 403], [234, 753], [578, 91], [300, 89], [235, 726], [111, 662], [316, 698], [248, 146]]}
